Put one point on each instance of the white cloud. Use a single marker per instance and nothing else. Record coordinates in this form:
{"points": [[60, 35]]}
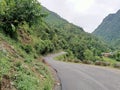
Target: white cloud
{"points": [[80, 5], [84, 13]]}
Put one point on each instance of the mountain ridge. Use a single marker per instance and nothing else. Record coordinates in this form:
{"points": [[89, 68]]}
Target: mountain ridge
{"points": [[109, 29], [58, 20]]}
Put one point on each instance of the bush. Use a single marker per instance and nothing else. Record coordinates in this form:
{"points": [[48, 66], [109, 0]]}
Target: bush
{"points": [[15, 12], [27, 48], [44, 47]]}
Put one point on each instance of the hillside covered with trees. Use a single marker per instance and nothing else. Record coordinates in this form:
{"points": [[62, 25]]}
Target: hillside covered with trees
{"points": [[76, 39], [109, 30], [27, 32]]}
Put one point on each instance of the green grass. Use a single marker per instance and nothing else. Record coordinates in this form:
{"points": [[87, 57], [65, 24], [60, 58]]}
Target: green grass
{"points": [[4, 64], [24, 78], [24, 70], [28, 80], [110, 60], [61, 57], [67, 58]]}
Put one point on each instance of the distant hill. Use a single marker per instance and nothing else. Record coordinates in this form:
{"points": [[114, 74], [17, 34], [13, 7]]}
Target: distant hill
{"points": [[109, 29]]}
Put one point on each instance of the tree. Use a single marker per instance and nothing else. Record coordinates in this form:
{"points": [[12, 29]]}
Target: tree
{"points": [[117, 55], [15, 12], [88, 55]]}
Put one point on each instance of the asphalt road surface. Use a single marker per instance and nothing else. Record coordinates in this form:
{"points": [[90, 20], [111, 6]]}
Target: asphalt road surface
{"points": [[85, 77]]}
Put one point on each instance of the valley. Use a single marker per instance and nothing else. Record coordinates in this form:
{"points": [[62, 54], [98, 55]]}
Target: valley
{"points": [[29, 32]]}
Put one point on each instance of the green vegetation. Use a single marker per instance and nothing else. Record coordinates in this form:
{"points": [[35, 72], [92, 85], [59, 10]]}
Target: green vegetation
{"points": [[103, 61], [21, 67], [109, 30], [26, 33], [116, 55], [23, 70], [15, 12], [68, 57], [73, 38], [111, 61]]}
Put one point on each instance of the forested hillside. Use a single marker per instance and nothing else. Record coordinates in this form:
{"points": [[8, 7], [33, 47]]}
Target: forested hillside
{"points": [[109, 30], [76, 40], [28, 31]]}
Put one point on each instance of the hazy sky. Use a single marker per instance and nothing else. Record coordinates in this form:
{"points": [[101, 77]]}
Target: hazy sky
{"points": [[87, 14]]}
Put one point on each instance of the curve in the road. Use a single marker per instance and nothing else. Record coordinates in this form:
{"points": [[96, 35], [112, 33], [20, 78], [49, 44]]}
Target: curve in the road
{"points": [[85, 77]]}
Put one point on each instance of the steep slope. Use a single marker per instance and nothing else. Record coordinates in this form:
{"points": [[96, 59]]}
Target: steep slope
{"points": [[109, 29], [21, 70], [21, 64]]}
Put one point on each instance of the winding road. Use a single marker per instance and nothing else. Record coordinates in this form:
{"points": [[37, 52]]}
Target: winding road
{"points": [[84, 77]]}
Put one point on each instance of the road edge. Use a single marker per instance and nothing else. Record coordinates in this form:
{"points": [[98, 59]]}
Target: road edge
{"points": [[57, 81]]}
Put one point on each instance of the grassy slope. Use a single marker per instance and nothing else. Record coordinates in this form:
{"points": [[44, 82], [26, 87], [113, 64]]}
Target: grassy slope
{"points": [[20, 70], [112, 61]]}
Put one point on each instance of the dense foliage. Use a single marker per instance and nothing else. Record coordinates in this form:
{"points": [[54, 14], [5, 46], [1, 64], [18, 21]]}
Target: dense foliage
{"points": [[116, 55], [19, 19], [15, 12], [109, 30], [21, 67], [75, 39]]}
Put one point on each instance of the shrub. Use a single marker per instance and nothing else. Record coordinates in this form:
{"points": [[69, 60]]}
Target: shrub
{"points": [[27, 48], [15, 12], [28, 60]]}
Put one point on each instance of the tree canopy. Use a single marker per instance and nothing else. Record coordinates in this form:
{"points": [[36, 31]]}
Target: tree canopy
{"points": [[15, 12]]}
